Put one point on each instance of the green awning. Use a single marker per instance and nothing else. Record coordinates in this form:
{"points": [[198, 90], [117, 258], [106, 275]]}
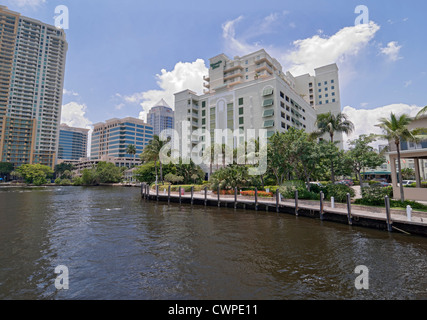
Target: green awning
{"points": [[268, 102], [269, 124], [268, 113], [268, 92]]}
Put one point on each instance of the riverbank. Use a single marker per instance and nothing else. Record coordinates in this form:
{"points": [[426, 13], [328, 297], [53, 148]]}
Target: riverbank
{"points": [[354, 215]]}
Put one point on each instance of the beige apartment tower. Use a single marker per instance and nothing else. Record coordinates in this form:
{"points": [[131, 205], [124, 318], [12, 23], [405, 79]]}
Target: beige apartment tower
{"points": [[32, 65]]}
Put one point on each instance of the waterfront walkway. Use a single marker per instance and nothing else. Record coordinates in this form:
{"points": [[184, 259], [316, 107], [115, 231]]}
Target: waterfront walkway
{"points": [[354, 215]]}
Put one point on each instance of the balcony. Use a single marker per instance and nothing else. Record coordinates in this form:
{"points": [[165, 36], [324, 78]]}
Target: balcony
{"points": [[233, 66], [263, 59], [206, 78], [207, 85], [234, 75], [263, 67]]}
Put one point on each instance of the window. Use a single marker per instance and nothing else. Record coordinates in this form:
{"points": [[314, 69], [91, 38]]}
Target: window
{"points": [[320, 97], [203, 104], [326, 82], [268, 113], [282, 95], [319, 84], [267, 92], [327, 101], [247, 77], [241, 121], [333, 94], [310, 85], [320, 102], [204, 113], [320, 90], [282, 104], [333, 100], [241, 111], [333, 88], [241, 101], [332, 81], [326, 89], [268, 102], [269, 124], [326, 95], [247, 69], [203, 121], [287, 99], [247, 62]]}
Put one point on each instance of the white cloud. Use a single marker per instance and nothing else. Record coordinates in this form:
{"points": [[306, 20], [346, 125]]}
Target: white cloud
{"points": [[365, 120], [320, 50], [407, 83], [30, 3], [70, 93], [392, 51], [185, 75], [306, 54], [74, 115]]}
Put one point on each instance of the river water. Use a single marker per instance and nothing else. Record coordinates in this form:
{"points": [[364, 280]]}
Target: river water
{"points": [[118, 246]]}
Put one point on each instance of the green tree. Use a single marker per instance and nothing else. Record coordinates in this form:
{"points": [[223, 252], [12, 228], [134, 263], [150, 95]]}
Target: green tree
{"points": [[5, 169], [230, 177], [328, 123], [361, 155], [408, 174], [422, 112], [131, 149], [187, 171], [152, 153], [396, 129], [62, 167], [36, 174], [108, 172]]}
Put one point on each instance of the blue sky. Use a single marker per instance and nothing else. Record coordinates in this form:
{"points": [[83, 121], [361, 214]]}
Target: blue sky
{"points": [[126, 55]]}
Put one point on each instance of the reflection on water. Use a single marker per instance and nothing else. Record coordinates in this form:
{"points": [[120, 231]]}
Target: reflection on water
{"points": [[118, 246]]}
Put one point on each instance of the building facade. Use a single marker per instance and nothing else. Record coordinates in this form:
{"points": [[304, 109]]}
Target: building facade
{"points": [[415, 153], [32, 66], [72, 143], [161, 117], [252, 92], [112, 138]]}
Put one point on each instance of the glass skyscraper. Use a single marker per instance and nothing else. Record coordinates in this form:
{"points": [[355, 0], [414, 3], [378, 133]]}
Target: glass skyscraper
{"points": [[161, 117], [111, 138], [72, 143]]}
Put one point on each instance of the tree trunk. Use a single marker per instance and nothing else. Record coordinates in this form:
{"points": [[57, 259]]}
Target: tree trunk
{"points": [[161, 172], [402, 194]]}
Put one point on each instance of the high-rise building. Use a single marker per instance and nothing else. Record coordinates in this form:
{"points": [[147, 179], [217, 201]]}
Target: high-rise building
{"points": [[32, 66], [72, 143], [112, 138], [161, 117], [252, 92]]}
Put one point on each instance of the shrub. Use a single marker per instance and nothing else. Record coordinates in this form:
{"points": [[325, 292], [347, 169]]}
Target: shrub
{"points": [[374, 196], [66, 182], [58, 181], [289, 187], [78, 181], [415, 205], [261, 194], [272, 189], [339, 192]]}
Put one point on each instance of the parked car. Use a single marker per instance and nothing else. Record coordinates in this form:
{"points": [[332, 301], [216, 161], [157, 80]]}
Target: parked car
{"points": [[408, 182], [382, 184], [317, 184], [346, 182]]}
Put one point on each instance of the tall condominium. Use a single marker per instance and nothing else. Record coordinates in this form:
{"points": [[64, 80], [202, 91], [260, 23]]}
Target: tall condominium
{"points": [[252, 92], [112, 138], [32, 65], [161, 117], [72, 143]]}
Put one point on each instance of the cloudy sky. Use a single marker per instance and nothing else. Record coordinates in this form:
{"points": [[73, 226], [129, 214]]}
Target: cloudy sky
{"points": [[124, 56]]}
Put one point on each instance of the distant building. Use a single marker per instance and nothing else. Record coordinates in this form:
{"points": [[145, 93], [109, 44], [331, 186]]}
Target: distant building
{"points": [[32, 67], [112, 138], [161, 117], [72, 143]]}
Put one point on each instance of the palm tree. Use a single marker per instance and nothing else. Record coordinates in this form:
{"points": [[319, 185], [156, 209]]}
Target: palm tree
{"points": [[396, 129], [152, 153], [328, 123], [422, 111], [131, 149]]}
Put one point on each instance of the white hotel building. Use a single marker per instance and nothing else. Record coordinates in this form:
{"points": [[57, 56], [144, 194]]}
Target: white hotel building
{"points": [[252, 92]]}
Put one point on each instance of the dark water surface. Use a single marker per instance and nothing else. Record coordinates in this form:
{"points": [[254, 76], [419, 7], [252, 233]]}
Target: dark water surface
{"points": [[117, 246]]}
